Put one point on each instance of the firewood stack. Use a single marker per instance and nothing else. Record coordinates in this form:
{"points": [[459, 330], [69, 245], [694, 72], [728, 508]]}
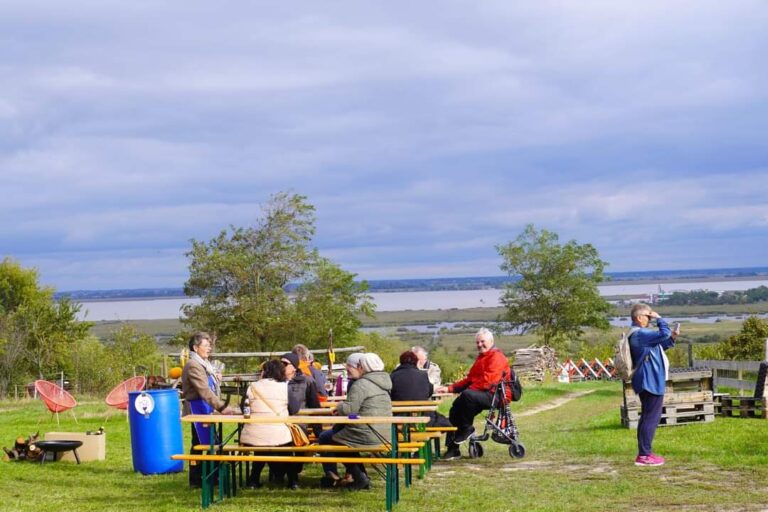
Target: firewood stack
{"points": [[531, 363]]}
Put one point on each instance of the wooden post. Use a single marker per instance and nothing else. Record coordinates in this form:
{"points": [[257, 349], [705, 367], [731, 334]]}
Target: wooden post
{"points": [[690, 355], [739, 377], [766, 350]]}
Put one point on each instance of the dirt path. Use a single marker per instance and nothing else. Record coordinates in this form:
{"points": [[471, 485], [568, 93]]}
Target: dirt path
{"points": [[554, 403]]}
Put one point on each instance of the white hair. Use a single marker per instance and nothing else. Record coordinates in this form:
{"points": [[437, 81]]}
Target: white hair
{"points": [[485, 333], [371, 363]]}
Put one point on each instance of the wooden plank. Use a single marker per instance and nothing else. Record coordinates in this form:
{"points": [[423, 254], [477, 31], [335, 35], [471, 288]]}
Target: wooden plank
{"points": [[673, 411], [301, 459], [632, 400], [750, 366]]}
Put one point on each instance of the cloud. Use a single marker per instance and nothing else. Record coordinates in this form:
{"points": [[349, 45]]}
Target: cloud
{"points": [[424, 133]]}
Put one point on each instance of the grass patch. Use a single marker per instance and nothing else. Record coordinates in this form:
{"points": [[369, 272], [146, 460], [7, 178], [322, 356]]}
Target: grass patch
{"points": [[578, 457]]}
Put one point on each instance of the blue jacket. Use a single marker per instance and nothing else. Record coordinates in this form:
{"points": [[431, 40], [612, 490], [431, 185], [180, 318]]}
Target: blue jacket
{"points": [[646, 346]]}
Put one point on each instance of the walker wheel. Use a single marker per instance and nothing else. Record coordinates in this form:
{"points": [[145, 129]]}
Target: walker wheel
{"points": [[475, 450], [517, 450]]}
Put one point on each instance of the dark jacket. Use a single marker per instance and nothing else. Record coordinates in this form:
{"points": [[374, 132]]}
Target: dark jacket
{"points": [[302, 393], [410, 383]]}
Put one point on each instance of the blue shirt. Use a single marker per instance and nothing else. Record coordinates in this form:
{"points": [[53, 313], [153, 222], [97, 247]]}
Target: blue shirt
{"points": [[646, 345]]}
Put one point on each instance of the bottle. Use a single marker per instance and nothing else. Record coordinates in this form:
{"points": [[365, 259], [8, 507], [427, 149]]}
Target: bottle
{"points": [[246, 409]]}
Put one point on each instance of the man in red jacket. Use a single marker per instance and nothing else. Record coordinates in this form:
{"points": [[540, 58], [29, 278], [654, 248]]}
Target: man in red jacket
{"points": [[476, 391]]}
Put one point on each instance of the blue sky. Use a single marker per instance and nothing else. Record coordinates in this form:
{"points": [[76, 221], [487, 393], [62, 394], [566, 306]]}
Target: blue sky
{"points": [[425, 133]]}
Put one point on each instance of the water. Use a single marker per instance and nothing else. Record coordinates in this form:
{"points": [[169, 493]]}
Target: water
{"points": [[158, 309]]}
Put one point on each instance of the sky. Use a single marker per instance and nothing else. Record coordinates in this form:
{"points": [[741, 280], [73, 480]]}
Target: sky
{"points": [[424, 133]]}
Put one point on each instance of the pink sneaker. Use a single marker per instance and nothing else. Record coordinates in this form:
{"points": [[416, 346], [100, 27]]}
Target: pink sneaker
{"points": [[648, 460], [658, 458]]}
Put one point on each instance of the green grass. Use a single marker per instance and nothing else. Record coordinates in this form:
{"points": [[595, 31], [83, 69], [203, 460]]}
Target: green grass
{"points": [[578, 458]]}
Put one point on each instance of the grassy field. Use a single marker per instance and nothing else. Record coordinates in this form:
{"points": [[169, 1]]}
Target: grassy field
{"points": [[578, 458]]}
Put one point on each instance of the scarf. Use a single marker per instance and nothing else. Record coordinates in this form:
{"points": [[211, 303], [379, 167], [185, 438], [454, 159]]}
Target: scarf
{"points": [[213, 381]]}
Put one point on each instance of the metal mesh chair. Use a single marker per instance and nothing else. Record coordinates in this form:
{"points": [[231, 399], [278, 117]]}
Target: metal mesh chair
{"points": [[118, 397], [55, 398]]}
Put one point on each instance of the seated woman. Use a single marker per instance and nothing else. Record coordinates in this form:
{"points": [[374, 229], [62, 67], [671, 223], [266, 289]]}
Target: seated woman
{"points": [[409, 382], [269, 397], [368, 397]]}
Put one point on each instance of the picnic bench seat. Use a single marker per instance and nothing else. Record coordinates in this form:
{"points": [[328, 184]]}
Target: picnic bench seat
{"points": [[228, 488]]}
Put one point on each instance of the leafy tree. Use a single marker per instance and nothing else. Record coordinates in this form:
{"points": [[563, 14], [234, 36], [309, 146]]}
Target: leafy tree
{"points": [[36, 332], [243, 275], [127, 349], [556, 294], [747, 345]]}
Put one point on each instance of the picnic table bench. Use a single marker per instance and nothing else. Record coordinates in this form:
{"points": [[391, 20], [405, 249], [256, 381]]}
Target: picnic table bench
{"points": [[390, 456]]}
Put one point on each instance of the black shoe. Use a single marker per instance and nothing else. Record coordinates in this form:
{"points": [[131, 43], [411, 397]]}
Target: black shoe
{"points": [[463, 434], [329, 481], [360, 483], [254, 485], [451, 454]]}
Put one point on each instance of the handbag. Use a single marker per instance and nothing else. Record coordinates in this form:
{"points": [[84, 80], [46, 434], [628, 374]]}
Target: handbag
{"points": [[298, 437]]}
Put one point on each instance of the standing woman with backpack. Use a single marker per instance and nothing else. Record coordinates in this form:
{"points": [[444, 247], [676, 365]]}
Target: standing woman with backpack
{"points": [[651, 371]]}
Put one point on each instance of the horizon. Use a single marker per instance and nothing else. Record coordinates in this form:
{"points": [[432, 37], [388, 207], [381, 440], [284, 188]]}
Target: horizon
{"points": [[683, 274], [425, 134]]}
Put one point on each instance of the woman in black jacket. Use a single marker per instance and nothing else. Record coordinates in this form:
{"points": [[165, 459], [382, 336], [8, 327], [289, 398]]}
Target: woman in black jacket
{"points": [[409, 382]]}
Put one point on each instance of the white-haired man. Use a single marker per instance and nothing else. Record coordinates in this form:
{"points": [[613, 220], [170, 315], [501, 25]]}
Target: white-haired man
{"points": [[433, 371], [476, 390]]}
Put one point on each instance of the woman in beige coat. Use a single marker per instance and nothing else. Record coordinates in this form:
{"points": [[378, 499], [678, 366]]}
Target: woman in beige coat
{"points": [[269, 397]]}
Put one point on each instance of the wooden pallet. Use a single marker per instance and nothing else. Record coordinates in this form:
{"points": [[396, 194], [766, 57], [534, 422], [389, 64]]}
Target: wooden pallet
{"points": [[678, 414], [743, 407], [631, 400]]}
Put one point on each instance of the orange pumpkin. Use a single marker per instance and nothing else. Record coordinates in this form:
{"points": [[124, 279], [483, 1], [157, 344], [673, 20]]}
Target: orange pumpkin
{"points": [[174, 372]]}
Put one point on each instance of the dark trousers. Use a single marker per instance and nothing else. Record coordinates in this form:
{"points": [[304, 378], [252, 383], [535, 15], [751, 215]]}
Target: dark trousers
{"points": [[652, 406], [469, 404], [196, 468], [326, 437], [278, 469]]}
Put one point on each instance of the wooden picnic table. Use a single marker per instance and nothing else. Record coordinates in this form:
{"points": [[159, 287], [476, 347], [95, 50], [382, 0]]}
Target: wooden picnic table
{"points": [[323, 411], [216, 422]]}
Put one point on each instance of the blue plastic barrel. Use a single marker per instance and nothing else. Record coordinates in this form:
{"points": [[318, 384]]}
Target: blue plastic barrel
{"points": [[154, 416]]}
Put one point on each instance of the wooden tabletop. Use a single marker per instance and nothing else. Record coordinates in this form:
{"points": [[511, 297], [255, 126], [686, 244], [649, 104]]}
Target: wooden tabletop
{"points": [[365, 420], [395, 410]]}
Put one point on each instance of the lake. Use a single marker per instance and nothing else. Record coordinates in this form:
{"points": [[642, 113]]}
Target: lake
{"points": [[158, 309]]}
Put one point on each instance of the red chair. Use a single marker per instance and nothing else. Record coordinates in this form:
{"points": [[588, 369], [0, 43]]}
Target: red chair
{"points": [[55, 398], [118, 397]]}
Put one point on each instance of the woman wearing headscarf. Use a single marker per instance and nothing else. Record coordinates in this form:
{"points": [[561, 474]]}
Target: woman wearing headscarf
{"points": [[368, 397], [200, 387]]}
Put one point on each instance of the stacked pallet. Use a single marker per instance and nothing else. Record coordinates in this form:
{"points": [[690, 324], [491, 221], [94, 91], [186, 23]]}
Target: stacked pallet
{"points": [[742, 406], [531, 363], [688, 398], [747, 406]]}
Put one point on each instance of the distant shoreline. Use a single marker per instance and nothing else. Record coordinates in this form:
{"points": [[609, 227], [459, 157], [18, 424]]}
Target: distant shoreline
{"points": [[621, 282]]}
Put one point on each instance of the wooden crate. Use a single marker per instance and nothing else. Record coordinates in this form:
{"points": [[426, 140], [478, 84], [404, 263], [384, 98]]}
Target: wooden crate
{"points": [[678, 414], [631, 400], [743, 407]]}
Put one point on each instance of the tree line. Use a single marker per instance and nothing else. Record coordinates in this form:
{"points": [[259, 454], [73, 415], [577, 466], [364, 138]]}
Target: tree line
{"points": [[710, 298]]}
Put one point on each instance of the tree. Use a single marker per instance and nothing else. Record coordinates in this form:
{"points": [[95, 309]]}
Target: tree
{"points": [[556, 295], [36, 331], [748, 344], [243, 275], [127, 348]]}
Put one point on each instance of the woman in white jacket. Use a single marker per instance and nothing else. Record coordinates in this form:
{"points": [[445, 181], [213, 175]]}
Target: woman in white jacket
{"points": [[269, 397]]}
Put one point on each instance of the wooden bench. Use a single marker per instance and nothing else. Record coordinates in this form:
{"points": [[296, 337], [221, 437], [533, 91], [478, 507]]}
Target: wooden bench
{"points": [[219, 464], [228, 488]]}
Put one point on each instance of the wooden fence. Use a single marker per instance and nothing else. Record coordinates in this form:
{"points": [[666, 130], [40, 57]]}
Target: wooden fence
{"points": [[741, 375]]}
